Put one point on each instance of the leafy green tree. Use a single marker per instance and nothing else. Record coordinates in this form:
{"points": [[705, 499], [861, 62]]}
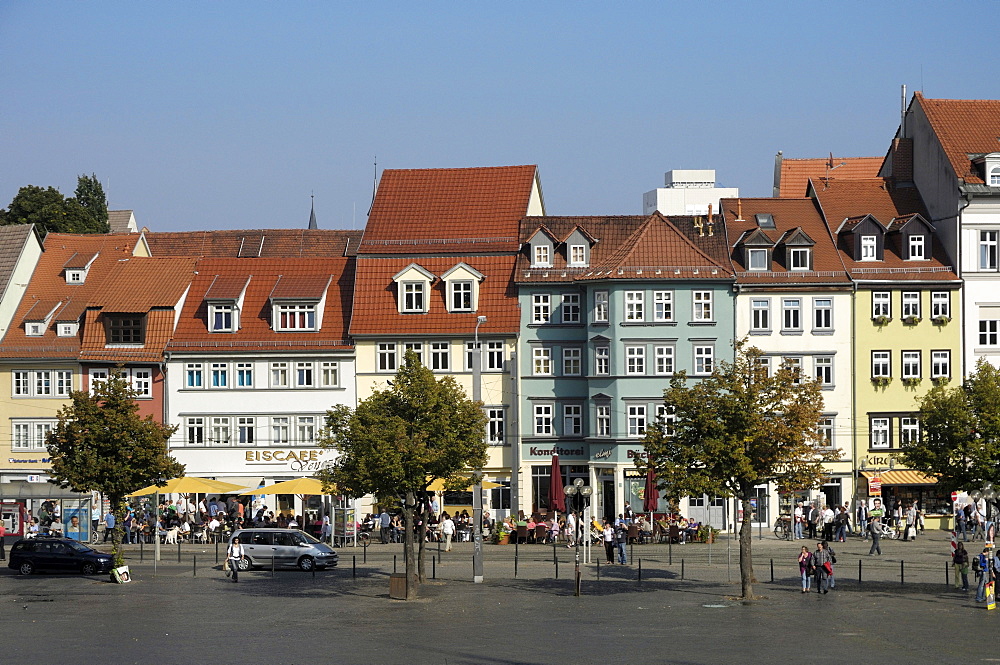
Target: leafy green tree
{"points": [[49, 210], [101, 444], [961, 432], [735, 430], [400, 440]]}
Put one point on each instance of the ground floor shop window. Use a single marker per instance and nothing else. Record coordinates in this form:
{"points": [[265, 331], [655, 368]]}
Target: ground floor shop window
{"points": [[540, 482]]}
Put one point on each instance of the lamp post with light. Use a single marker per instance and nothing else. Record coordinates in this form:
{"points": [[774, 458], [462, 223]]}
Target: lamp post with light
{"points": [[477, 489], [579, 494]]}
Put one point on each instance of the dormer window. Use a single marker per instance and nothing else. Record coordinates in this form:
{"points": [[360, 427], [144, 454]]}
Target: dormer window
{"points": [[222, 317], [799, 258], [295, 317], [75, 276], [34, 329], [915, 247], [125, 329], [995, 176], [577, 255], [67, 329], [414, 297], [77, 266], [461, 295], [758, 259], [869, 248], [543, 256]]}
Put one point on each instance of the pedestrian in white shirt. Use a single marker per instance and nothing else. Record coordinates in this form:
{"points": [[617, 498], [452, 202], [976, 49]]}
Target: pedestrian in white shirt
{"points": [[234, 553], [447, 530], [570, 530]]}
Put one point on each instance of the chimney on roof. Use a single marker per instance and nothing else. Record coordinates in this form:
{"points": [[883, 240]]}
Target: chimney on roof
{"points": [[698, 224], [312, 213], [711, 221], [902, 113], [776, 189], [739, 210]]}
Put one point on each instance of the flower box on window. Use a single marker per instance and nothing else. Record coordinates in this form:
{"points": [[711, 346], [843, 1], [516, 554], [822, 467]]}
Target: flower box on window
{"points": [[881, 320], [911, 381], [911, 320], [941, 320], [881, 381]]}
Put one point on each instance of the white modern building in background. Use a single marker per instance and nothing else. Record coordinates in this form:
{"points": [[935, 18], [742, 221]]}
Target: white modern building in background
{"points": [[687, 192]]}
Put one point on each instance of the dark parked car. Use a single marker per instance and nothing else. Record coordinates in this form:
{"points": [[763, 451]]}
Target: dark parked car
{"points": [[57, 554]]}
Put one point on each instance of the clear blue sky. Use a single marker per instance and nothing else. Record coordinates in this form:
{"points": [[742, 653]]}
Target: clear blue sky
{"points": [[228, 114]]}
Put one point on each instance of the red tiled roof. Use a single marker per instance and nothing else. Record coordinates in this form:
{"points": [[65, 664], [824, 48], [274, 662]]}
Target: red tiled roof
{"points": [[796, 173], [788, 215], [140, 284], [159, 328], [255, 332], [48, 284], [877, 197], [963, 127], [300, 287], [467, 210], [227, 287], [609, 231], [375, 305], [262, 243]]}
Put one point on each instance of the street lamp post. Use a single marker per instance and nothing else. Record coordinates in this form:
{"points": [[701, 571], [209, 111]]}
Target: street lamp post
{"points": [[579, 494], [477, 490]]}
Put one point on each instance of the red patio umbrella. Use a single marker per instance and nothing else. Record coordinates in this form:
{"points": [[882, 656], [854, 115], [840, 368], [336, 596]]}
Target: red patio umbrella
{"points": [[557, 498], [651, 496]]}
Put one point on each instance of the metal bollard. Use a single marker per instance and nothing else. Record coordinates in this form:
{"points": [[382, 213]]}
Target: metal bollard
{"points": [[772, 571], [217, 551], [946, 580], [902, 577], [515, 566], [354, 566], [393, 563], [682, 568], [314, 571], [598, 569], [557, 568], [631, 552], [434, 568], [859, 571], [365, 553], [640, 571], [272, 566], [178, 550], [194, 566], [140, 550]]}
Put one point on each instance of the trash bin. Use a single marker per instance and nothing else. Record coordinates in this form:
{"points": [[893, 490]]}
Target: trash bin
{"points": [[397, 586]]}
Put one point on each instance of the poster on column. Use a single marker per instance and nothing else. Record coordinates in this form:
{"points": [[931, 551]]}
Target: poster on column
{"points": [[991, 598]]}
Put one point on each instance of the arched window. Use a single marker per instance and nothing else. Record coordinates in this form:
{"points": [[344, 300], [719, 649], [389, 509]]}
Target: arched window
{"points": [[995, 176]]}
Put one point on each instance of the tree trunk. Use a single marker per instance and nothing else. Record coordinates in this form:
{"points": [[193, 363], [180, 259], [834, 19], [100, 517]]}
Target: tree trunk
{"points": [[422, 512], [411, 569], [118, 510], [746, 556]]}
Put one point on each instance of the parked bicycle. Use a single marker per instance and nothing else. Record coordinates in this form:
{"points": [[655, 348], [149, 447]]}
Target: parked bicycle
{"points": [[782, 527]]}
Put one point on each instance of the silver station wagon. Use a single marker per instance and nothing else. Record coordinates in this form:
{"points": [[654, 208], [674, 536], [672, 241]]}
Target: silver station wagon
{"points": [[283, 548]]}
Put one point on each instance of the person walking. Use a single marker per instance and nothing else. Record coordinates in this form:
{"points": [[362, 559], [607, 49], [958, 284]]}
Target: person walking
{"points": [[806, 568], [823, 567], [109, 525], [911, 523], [982, 567], [841, 522], [961, 524], [570, 531], [831, 578], [960, 560], [861, 519], [234, 553], [385, 522], [875, 531], [828, 523], [813, 521], [797, 522], [447, 530]]}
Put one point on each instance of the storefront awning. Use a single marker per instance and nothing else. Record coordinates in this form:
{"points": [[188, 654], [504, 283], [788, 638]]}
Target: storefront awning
{"points": [[902, 477], [19, 489], [250, 483]]}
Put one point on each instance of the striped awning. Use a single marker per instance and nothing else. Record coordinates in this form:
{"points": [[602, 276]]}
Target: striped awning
{"points": [[902, 477]]}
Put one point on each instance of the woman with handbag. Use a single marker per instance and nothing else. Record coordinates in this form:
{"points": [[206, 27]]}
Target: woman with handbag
{"points": [[821, 560], [233, 555], [960, 559], [806, 568]]}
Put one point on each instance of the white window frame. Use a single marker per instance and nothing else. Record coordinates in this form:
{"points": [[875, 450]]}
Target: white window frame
{"points": [[798, 258], [794, 364], [244, 375], [602, 360], [602, 305], [702, 306], [141, 379], [791, 314], [295, 317], [543, 419], [219, 375], [909, 430], [194, 431], [603, 420], [542, 256], [278, 372], [571, 308], [940, 304], [220, 431], [305, 430], [227, 313], [916, 244], [757, 259], [495, 426], [663, 306], [386, 357], [881, 364], [541, 361], [441, 356], [879, 432], [636, 418], [41, 383], [281, 430], [494, 356], [881, 304], [823, 314], [329, 374], [869, 248], [760, 314], [941, 364], [194, 376], [572, 359], [910, 364], [577, 256], [910, 304], [704, 359], [416, 347], [305, 375], [541, 308], [414, 297], [572, 420], [825, 432], [664, 360], [635, 305], [823, 370], [988, 250], [30, 435], [246, 430], [461, 295], [635, 360]]}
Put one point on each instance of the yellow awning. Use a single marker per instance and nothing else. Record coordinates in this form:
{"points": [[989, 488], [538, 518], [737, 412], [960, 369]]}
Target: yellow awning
{"points": [[438, 486], [902, 477], [305, 486], [189, 485]]}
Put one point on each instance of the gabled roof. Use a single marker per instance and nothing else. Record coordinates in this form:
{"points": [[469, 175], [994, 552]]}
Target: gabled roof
{"points": [[795, 174], [375, 305], [656, 248], [122, 221], [851, 224], [79, 261], [138, 285], [255, 332], [301, 287], [266, 243], [755, 238], [464, 210], [796, 220], [900, 223], [227, 287], [963, 127], [464, 266], [13, 239], [419, 268]]}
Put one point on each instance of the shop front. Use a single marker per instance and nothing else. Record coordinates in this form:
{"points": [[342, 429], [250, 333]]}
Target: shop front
{"points": [[31, 498], [903, 487]]}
